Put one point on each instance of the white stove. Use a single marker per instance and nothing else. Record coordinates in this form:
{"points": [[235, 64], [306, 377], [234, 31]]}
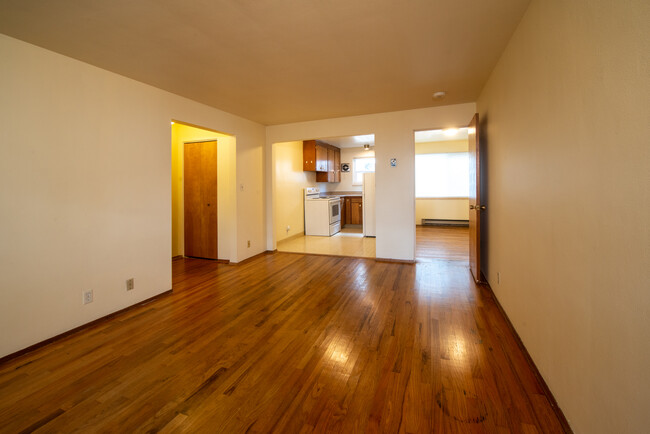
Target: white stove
{"points": [[322, 214]]}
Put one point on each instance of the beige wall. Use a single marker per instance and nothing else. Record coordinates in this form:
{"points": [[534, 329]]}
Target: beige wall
{"points": [[446, 208], [290, 182], [566, 114], [86, 202], [347, 155], [442, 146], [395, 191], [226, 189]]}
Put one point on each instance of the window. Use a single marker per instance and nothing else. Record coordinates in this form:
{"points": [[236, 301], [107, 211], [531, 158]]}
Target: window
{"points": [[442, 175], [361, 166]]}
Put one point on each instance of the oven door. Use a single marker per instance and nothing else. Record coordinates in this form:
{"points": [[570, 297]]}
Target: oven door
{"points": [[335, 210]]}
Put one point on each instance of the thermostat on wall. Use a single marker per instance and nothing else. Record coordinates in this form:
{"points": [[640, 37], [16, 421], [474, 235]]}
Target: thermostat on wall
{"points": [[345, 167]]}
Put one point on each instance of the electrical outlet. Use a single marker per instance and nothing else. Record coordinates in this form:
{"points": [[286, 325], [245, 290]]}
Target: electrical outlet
{"points": [[88, 296], [249, 243], [130, 284]]}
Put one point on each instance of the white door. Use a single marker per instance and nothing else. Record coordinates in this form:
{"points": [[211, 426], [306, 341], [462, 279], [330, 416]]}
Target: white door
{"points": [[369, 224]]}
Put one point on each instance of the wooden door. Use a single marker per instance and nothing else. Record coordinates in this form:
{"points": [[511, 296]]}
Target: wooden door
{"points": [[200, 199], [475, 206]]}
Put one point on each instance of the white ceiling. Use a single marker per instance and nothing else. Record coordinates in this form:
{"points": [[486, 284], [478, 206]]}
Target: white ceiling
{"points": [[441, 135], [419, 137], [351, 141], [284, 60]]}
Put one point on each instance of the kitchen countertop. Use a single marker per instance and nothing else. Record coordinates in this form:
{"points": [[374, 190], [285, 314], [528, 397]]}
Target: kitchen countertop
{"points": [[344, 193]]}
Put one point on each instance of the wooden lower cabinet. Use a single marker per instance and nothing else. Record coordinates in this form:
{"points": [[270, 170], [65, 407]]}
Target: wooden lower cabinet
{"points": [[352, 211], [356, 211]]}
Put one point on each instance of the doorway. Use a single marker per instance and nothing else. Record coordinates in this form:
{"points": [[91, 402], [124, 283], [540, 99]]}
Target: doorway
{"points": [[353, 157], [203, 193], [441, 194]]}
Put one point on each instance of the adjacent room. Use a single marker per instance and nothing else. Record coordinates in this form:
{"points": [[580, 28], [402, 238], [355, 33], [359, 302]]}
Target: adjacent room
{"points": [[324, 193], [442, 194]]}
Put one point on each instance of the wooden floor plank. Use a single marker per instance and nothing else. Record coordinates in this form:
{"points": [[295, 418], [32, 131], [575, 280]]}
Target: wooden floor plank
{"points": [[290, 343]]}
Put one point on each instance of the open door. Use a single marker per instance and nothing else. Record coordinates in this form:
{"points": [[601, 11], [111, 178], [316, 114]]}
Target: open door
{"points": [[475, 207]]}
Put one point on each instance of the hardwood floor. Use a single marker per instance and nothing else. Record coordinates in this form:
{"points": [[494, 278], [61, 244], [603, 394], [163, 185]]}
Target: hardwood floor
{"points": [[288, 343], [441, 242]]}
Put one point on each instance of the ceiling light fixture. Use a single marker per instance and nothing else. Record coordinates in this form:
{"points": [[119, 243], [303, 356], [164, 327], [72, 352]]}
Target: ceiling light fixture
{"points": [[439, 95]]}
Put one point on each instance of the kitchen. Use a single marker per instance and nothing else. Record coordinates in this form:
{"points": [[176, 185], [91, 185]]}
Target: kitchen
{"points": [[324, 196]]}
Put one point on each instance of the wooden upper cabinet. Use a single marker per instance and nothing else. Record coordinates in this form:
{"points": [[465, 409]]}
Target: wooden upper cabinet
{"points": [[309, 155], [330, 165], [322, 158], [337, 165]]}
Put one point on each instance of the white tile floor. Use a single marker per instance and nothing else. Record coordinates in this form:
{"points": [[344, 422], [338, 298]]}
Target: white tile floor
{"points": [[349, 242]]}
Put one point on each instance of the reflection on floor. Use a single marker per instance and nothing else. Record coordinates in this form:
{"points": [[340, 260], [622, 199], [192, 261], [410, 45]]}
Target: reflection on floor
{"points": [[348, 242], [289, 343], [441, 242]]}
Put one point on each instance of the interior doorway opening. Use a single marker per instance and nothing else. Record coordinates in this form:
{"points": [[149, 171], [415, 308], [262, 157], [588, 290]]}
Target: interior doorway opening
{"points": [[340, 173], [441, 194], [215, 237]]}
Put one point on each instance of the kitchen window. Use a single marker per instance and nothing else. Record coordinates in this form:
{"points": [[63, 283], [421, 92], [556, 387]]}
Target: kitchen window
{"points": [[442, 175], [361, 166]]}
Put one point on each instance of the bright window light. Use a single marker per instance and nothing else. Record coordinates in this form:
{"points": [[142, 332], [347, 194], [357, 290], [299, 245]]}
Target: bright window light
{"points": [[361, 166], [442, 175], [366, 138]]}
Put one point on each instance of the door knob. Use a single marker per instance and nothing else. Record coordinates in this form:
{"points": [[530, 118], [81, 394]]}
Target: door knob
{"points": [[482, 207], [471, 207]]}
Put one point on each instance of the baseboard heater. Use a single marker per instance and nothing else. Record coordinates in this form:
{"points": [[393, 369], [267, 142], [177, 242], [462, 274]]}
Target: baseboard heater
{"points": [[443, 222]]}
